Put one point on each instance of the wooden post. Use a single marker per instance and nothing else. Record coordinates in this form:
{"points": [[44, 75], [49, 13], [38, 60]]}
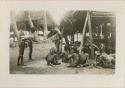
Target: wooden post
{"points": [[57, 30], [30, 20], [83, 33], [77, 36], [101, 35], [15, 29], [59, 33], [35, 34], [90, 35], [45, 26]]}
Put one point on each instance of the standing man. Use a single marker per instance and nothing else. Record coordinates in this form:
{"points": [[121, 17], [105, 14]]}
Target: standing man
{"points": [[22, 46], [30, 44]]}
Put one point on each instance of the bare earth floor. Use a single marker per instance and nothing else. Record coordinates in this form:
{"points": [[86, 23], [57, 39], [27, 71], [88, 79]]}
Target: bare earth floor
{"points": [[38, 65]]}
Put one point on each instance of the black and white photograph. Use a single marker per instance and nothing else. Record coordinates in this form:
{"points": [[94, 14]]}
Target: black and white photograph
{"points": [[62, 44], [68, 42]]}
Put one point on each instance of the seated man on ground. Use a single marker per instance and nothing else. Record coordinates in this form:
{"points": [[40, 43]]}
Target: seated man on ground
{"points": [[64, 55], [83, 58], [73, 58], [103, 59], [52, 57]]}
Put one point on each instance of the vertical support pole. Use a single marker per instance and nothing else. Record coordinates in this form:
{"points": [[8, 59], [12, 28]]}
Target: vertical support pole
{"points": [[72, 38], [45, 26], [101, 32], [61, 41], [15, 29], [35, 34], [83, 33], [59, 34], [30, 20], [77, 36], [90, 35], [61, 45]]}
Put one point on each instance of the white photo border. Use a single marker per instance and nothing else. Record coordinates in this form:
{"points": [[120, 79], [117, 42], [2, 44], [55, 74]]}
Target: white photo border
{"points": [[54, 81]]}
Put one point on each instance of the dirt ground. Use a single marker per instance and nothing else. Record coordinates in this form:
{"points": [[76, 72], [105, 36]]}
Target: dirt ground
{"points": [[39, 66]]}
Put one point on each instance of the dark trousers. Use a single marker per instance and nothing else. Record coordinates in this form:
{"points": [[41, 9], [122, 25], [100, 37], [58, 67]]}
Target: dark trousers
{"points": [[30, 44], [20, 57], [30, 52]]}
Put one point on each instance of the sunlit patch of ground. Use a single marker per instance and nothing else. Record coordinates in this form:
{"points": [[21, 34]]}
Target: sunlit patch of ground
{"points": [[38, 65]]}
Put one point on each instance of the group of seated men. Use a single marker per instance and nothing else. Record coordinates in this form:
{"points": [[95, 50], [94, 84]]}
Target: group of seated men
{"points": [[74, 58]]}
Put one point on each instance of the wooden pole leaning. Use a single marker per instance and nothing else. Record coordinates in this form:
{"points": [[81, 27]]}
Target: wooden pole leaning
{"points": [[83, 33], [91, 38], [14, 25], [45, 25], [30, 20]]}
